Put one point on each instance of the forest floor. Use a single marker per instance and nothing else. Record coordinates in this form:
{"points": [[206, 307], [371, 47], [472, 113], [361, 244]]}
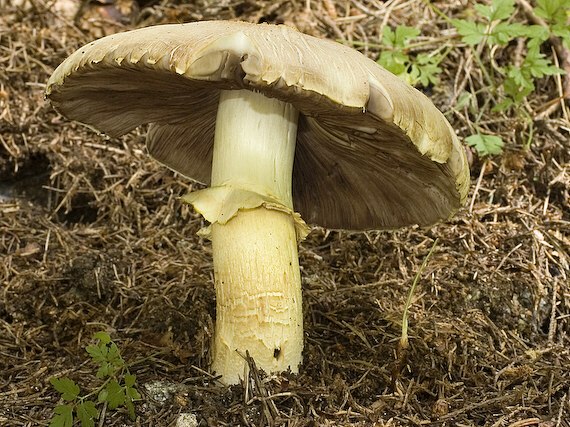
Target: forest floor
{"points": [[93, 237]]}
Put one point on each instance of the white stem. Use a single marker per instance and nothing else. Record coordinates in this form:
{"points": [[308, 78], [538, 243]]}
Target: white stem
{"points": [[256, 267], [254, 145]]}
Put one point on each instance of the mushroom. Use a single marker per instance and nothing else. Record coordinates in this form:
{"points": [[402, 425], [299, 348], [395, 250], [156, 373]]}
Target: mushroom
{"points": [[282, 126]]}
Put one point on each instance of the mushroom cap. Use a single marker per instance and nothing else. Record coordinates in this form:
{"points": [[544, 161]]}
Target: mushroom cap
{"points": [[372, 152]]}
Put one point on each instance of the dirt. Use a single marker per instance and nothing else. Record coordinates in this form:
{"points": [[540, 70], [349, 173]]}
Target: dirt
{"points": [[93, 237]]}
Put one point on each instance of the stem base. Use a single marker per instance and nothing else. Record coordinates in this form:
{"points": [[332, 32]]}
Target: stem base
{"points": [[258, 293]]}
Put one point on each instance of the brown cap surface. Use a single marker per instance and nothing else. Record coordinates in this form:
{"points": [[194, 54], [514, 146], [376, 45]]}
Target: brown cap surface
{"points": [[372, 152]]}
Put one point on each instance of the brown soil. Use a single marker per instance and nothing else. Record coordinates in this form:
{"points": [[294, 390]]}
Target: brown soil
{"points": [[93, 236]]}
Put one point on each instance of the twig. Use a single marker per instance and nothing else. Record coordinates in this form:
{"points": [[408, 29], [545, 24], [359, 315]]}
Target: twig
{"points": [[102, 415], [552, 325], [269, 409], [482, 404], [478, 185], [526, 422], [505, 258], [565, 400]]}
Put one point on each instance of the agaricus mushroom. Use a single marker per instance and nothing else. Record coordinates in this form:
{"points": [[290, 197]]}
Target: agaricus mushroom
{"points": [[277, 122]]}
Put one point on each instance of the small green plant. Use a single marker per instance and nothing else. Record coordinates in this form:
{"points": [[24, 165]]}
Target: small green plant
{"points": [[485, 145], [510, 72], [511, 76], [555, 13], [519, 80], [118, 387], [493, 28], [422, 68], [404, 340]]}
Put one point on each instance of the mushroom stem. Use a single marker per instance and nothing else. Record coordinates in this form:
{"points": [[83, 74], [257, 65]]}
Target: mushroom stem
{"points": [[256, 267]]}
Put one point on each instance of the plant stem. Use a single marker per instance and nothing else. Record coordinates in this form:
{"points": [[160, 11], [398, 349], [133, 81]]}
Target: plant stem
{"points": [[404, 337]]}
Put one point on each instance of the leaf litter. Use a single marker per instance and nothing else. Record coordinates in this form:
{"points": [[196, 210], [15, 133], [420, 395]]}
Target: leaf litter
{"points": [[93, 237]]}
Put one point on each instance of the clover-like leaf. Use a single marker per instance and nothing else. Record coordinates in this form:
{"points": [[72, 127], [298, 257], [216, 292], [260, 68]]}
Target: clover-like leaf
{"points": [[130, 380], [114, 356], [67, 387], [103, 337], [98, 353], [63, 416], [498, 10], [87, 413], [485, 145], [471, 33], [115, 394]]}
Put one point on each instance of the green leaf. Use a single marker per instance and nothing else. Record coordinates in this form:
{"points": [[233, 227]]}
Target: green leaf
{"points": [[105, 370], [519, 77], [498, 10], [132, 394], [63, 416], [87, 413], [484, 11], [98, 353], [394, 61], [546, 9], [130, 380], [503, 9], [496, 30], [107, 355], [103, 337], [68, 389], [388, 37], [465, 99], [114, 356], [553, 11], [399, 38], [428, 69], [404, 35], [536, 32], [486, 145], [129, 404], [520, 80], [471, 33], [102, 396], [130, 408], [504, 32], [515, 92], [538, 65], [423, 69], [115, 394], [503, 105], [562, 31]]}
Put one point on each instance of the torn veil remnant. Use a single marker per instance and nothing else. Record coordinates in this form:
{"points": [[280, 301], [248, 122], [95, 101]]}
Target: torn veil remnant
{"points": [[276, 122]]}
